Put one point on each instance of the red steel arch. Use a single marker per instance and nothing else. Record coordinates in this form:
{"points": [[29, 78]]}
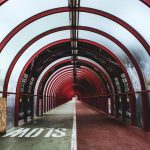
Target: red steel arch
{"points": [[82, 9], [85, 41], [82, 28]]}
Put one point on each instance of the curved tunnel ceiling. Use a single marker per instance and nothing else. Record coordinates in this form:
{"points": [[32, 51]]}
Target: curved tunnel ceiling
{"points": [[82, 34]]}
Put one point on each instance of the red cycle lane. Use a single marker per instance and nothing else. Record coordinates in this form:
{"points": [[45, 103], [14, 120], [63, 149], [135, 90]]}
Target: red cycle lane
{"points": [[97, 131]]}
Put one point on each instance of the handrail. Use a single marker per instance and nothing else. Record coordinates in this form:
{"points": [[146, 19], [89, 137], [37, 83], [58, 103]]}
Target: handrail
{"points": [[119, 94], [97, 96]]}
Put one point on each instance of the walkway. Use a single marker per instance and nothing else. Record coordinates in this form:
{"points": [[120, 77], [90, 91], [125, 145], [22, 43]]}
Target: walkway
{"points": [[96, 131], [53, 131]]}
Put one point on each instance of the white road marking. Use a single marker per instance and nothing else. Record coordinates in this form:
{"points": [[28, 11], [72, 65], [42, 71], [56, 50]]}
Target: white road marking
{"points": [[49, 132], [17, 132], [74, 130], [38, 133], [35, 132], [60, 132], [31, 132]]}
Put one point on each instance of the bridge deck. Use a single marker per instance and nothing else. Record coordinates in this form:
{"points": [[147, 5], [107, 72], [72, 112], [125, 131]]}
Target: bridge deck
{"points": [[95, 131]]}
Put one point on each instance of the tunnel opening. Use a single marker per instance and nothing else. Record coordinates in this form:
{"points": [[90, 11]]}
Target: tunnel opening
{"points": [[97, 76]]}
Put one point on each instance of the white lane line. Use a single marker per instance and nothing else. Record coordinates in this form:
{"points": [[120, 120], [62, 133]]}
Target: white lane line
{"points": [[74, 130]]}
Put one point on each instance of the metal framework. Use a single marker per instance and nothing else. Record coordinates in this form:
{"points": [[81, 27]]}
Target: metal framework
{"points": [[68, 72]]}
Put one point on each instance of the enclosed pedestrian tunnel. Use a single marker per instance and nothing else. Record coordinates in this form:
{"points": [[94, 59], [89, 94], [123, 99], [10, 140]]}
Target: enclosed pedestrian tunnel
{"points": [[95, 50]]}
